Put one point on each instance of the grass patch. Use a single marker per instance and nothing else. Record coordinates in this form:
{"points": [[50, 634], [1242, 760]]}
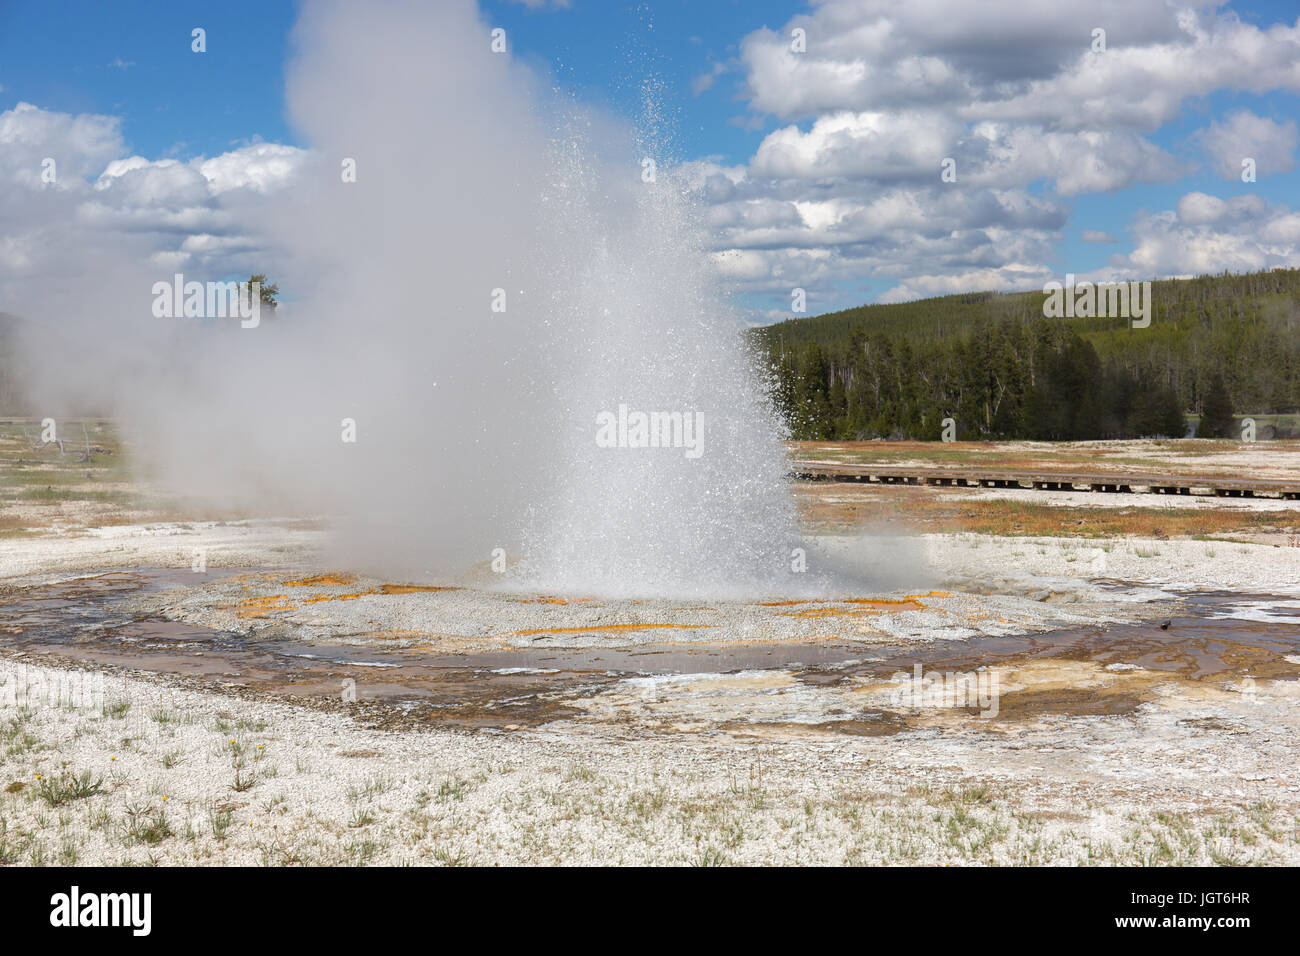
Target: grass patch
{"points": [[147, 825], [14, 735], [66, 787]]}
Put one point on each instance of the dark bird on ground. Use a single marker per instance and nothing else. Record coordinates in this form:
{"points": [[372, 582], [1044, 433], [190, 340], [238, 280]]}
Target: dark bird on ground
{"points": [[1164, 625]]}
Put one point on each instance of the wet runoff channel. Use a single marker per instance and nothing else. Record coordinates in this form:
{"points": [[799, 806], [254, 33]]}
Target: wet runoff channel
{"points": [[89, 623]]}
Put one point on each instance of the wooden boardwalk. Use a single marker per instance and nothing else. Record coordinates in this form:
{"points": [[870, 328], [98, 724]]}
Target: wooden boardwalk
{"points": [[962, 477]]}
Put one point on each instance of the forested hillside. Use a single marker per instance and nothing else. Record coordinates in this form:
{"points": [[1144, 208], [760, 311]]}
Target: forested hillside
{"points": [[995, 365]]}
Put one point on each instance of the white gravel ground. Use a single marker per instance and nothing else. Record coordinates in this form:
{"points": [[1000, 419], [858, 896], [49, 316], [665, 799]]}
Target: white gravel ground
{"points": [[1205, 772], [186, 777]]}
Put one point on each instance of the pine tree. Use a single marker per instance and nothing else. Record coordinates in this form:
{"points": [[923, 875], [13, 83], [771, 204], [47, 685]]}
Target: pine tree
{"points": [[1216, 411]]}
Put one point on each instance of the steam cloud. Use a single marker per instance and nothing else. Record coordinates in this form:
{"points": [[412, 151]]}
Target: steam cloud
{"points": [[475, 429]]}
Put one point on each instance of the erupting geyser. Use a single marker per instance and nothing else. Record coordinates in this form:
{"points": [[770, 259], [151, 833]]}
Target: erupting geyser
{"points": [[496, 280]]}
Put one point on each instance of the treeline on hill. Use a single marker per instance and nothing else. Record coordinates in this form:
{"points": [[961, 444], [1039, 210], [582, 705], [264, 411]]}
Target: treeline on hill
{"points": [[996, 366]]}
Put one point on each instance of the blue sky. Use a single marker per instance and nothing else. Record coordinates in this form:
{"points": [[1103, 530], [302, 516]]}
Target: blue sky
{"points": [[133, 59], [721, 84]]}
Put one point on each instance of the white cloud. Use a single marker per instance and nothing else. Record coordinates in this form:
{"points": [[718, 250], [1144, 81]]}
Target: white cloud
{"points": [[167, 183], [260, 167], [1142, 87], [80, 145], [875, 145], [1015, 95], [119, 167], [1016, 61], [109, 205], [848, 187], [774, 236], [1076, 162], [890, 147], [1013, 277], [1197, 208], [1205, 234], [1244, 135]]}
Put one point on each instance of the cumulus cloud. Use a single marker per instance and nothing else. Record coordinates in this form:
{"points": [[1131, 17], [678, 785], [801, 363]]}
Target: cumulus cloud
{"points": [[1024, 105], [889, 147], [1075, 162], [1206, 234], [772, 245], [1143, 87], [1006, 59], [1243, 135], [848, 185], [261, 167], [876, 145], [1013, 277], [79, 144], [76, 192]]}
